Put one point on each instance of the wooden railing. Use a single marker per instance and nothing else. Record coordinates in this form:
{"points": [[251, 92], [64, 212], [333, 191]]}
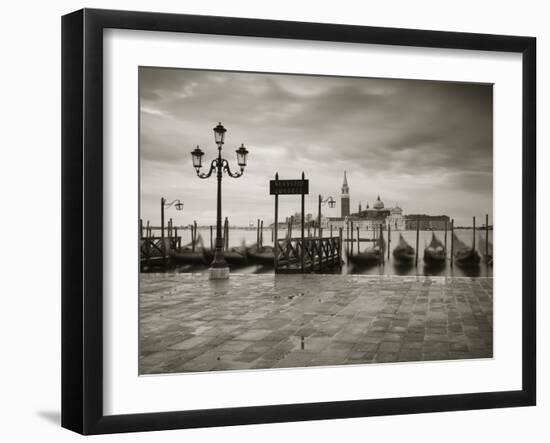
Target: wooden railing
{"points": [[151, 250], [310, 254]]}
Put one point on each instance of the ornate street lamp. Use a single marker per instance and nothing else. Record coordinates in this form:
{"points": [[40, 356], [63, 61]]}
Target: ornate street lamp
{"points": [[179, 206], [331, 202], [219, 268]]}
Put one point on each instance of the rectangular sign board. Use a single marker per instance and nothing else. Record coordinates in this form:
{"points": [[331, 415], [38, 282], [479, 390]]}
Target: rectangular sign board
{"points": [[286, 187]]}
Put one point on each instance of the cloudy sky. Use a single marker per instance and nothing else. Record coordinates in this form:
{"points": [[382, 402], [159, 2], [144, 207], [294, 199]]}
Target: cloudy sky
{"points": [[422, 144]]}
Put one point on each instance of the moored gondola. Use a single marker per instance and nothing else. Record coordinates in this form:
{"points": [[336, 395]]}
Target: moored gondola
{"points": [[435, 252], [372, 255], [486, 249], [234, 256], [403, 252], [261, 256], [465, 256], [189, 255]]}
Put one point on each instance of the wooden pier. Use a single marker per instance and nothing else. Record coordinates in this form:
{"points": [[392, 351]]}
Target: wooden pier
{"points": [[155, 250], [309, 254]]}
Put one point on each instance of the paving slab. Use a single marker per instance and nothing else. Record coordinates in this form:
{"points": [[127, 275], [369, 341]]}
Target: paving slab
{"points": [[191, 324]]}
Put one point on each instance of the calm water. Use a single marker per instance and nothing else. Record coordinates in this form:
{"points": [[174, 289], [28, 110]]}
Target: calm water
{"points": [[240, 237]]}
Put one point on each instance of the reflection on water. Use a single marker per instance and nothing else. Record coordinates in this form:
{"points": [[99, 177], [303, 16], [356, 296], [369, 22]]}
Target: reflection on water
{"points": [[390, 266]]}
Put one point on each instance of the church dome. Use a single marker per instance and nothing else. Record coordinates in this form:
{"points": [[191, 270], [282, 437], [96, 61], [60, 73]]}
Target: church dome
{"points": [[378, 204], [397, 210]]}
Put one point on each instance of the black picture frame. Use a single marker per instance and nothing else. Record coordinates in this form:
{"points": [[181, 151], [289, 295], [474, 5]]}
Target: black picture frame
{"points": [[82, 219]]}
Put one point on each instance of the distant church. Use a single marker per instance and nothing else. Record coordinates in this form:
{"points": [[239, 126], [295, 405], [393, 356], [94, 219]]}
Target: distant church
{"points": [[368, 218]]}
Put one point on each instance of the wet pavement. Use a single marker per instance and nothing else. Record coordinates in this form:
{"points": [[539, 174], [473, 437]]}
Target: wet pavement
{"points": [[191, 324]]}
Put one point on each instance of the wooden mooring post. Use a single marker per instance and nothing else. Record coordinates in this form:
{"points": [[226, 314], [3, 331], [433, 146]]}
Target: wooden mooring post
{"points": [[417, 238], [445, 237], [389, 240], [452, 240], [486, 236], [290, 223], [140, 228], [473, 232], [261, 234], [331, 230], [302, 227], [341, 235], [274, 232], [193, 235], [358, 250], [258, 234], [381, 236], [347, 236], [226, 233], [211, 238], [351, 232]]}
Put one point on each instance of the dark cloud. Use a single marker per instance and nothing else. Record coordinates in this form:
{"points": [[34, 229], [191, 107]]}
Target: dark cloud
{"points": [[422, 143]]}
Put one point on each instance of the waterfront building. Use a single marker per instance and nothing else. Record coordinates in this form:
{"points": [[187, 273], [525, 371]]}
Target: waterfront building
{"points": [[366, 219], [427, 222], [344, 198], [379, 216]]}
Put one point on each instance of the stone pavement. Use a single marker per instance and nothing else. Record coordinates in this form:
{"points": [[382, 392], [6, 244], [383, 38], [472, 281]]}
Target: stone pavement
{"points": [[191, 324]]}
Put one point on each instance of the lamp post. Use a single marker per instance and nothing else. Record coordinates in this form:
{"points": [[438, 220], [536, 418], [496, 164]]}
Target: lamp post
{"points": [[219, 269], [331, 202], [179, 206]]}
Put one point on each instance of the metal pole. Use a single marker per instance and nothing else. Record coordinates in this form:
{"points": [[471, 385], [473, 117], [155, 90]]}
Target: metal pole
{"points": [[219, 260]]}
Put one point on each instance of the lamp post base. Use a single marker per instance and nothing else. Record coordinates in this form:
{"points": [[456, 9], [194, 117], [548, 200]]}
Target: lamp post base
{"points": [[219, 273]]}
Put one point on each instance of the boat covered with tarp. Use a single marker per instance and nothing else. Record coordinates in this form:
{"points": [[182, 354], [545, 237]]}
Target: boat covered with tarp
{"points": [[435, 252], [464, 255], [262, 255], [372, 255], [403, 252]]}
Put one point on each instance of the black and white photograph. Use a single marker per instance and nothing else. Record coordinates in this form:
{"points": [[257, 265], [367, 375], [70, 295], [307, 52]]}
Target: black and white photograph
{"points": [[292, 221]]}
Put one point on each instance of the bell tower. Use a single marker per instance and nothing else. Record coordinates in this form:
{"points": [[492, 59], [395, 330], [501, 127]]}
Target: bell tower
{"points": [[344, 198]]}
